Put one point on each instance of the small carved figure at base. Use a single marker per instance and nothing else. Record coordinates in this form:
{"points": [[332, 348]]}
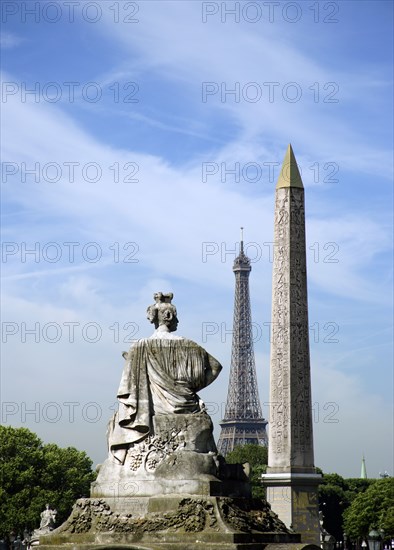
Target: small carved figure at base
{"points": [[47, 524]]}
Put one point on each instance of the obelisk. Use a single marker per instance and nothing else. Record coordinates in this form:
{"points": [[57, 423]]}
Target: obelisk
{"points": [[291, 478]]}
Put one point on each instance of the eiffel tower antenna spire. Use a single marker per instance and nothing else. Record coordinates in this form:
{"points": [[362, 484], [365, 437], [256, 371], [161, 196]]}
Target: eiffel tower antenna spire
{"points": [[243, 419]]}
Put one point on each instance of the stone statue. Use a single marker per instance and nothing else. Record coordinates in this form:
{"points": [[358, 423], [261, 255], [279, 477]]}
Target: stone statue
{"points": [[48, 518], [161, 376], [47, 524], [160, 412]]}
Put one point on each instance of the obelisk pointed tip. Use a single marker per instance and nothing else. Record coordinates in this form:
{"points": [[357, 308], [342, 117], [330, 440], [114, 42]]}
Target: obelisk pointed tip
{"points": [[289, 174]]}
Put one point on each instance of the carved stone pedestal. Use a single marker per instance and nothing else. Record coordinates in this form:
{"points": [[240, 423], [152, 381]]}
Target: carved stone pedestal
{"points": [[177, 522]]}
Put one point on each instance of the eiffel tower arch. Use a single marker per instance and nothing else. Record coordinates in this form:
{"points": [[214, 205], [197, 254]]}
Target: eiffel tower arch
{"points": [[243, 420]]}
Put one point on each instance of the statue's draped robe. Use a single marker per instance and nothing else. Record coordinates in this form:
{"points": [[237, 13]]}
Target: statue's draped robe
{"points": [[160, 376]]}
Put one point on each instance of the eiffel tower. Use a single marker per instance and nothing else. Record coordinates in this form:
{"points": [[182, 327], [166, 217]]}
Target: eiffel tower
{"points": [[243, 420]]}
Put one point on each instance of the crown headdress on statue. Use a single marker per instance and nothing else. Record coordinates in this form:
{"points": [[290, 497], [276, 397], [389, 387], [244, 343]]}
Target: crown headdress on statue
{"points": [[161, 298]]}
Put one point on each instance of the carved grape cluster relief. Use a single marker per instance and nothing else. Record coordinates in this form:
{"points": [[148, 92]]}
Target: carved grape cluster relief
{"points": [[151, 452]]}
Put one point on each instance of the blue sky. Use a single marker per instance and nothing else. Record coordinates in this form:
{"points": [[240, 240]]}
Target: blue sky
{"points": [[156, 130]]}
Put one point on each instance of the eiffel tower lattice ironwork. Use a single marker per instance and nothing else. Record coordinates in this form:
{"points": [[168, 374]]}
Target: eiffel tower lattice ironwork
{"points": [[243, 420]]}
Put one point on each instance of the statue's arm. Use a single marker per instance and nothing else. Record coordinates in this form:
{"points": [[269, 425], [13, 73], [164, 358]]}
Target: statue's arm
{"points": [[213, 371], [124, 386], [127, 354]]}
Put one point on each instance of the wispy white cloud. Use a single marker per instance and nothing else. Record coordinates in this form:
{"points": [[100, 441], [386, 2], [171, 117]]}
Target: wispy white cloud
{"points": [[178, 193], [10, 40], [251, 56]]}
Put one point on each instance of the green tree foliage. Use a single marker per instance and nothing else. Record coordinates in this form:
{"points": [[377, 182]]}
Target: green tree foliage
{"points": [[257, 456], [336, 495], [33, 474], [333, 501], [373, 508]]}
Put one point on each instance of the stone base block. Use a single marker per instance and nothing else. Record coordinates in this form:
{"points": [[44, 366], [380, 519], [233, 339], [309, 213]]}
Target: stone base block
{"points": [[179, 472], [124, 494], [294, 498]]}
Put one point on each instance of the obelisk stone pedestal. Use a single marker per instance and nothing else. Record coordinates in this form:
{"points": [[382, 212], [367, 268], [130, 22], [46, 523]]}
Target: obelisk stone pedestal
{"points": [[291, 478], [294, 498]]}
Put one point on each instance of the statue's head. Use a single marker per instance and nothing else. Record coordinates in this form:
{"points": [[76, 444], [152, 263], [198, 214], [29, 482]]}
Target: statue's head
{"points": [[163, 312]]}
